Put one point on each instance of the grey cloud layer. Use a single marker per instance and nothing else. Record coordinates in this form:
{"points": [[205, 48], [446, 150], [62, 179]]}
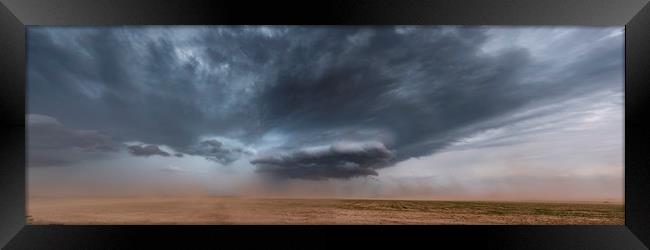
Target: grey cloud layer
{"points": [[340, 160], [218, 151], [50, 143], [147, 150], [413, 90]]}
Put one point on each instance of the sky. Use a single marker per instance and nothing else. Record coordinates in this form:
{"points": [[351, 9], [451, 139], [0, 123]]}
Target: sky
{"points": [[413, 112]]}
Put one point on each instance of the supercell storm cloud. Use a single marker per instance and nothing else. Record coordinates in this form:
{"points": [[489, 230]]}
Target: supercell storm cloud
{"points": [[341, 160], [302, 102]]}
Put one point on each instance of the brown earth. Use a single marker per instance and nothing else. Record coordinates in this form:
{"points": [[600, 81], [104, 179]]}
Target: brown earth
{"points": [[232, 210]]}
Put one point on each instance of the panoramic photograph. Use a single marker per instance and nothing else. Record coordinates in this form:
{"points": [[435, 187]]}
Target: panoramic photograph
{"points": [[212, 125]]}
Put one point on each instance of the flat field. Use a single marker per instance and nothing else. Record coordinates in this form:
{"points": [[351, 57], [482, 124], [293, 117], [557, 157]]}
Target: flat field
{"points": [[234, 210]]}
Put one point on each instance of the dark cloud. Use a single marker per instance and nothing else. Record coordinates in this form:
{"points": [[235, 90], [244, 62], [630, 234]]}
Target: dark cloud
{"points": [[416, 90], [416, 87], [423, 91], [50, 143], [147, 150], [340, 160], [47, 133], [217, 151], [89, 74]]}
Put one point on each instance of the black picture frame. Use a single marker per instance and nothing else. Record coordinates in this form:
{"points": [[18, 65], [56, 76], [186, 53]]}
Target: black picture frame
{"points": [[16, 14]]}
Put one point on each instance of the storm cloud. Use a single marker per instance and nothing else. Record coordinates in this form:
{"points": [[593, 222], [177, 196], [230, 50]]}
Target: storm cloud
{"points": [[218, 151], [147, 150], [340, 160], [50, 143], [308, 102]]}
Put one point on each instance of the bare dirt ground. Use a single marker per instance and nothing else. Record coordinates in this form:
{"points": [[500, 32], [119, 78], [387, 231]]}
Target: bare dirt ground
{"points": [[219, 210]]}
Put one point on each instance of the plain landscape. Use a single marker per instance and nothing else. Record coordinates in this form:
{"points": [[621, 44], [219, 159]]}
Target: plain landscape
{"points": [[240, 210], [325, 125]]}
